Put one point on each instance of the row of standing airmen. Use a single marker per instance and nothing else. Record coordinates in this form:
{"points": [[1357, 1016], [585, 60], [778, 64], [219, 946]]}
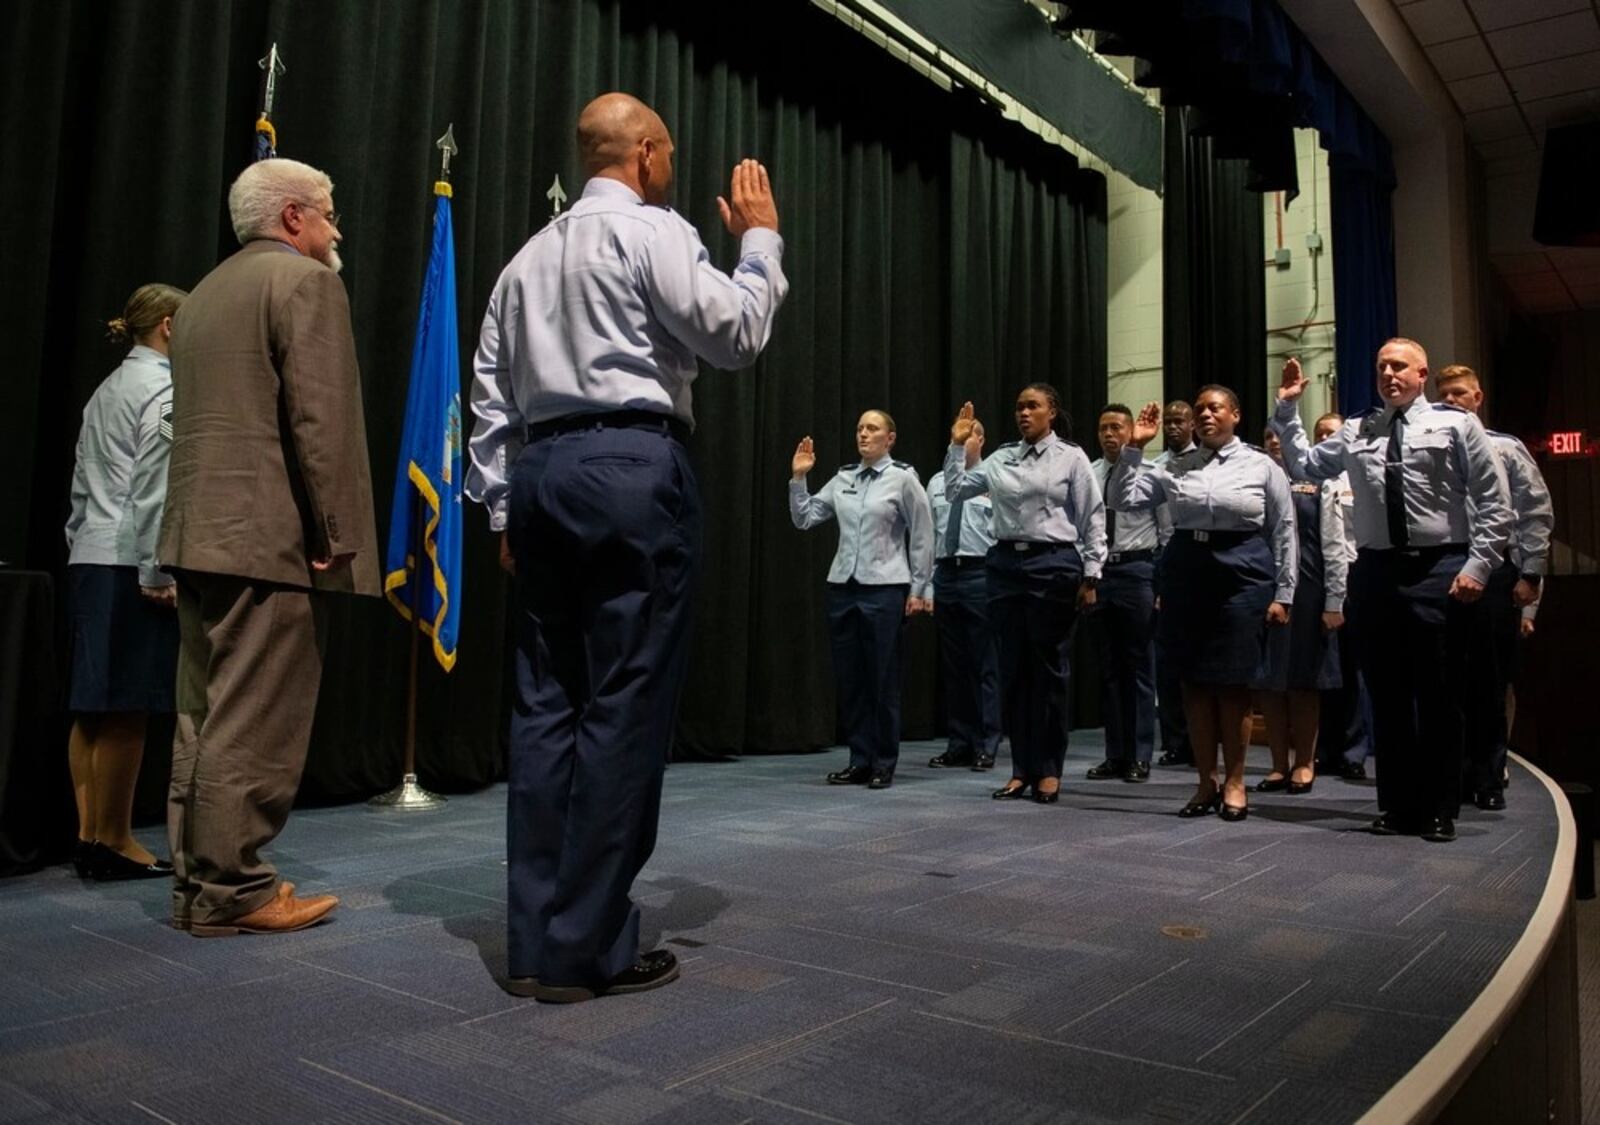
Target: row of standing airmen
{"points": [[1218, 569]]}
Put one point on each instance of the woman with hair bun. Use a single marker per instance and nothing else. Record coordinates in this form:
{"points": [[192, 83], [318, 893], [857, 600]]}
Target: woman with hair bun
{"points": [[124, 631], [1050, 544]]}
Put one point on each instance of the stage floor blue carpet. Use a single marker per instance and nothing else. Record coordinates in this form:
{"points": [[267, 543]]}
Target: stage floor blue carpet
{"points": [[920, 954]]}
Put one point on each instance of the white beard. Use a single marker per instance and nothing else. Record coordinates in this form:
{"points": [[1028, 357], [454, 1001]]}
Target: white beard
{"points": [[333, 261]]}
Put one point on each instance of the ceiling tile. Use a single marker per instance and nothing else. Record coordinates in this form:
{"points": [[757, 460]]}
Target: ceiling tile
{"points": [[1548, 285], [1487, 91], [1559, 76], [1547, 39], [1508, 265], [1569, 258], [1566, 109], [1507, 167], [1581, 278], [1495, 14], [1461, 58], [1434, 21], [1511, 146], [1495, 125]]}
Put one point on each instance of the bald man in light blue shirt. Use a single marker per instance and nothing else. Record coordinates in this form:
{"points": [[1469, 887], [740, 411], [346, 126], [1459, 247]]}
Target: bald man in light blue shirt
{"points": [[582, 396]]}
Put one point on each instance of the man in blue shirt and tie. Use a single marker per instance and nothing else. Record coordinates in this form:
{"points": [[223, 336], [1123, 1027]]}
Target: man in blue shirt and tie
{"points": [[582, 397], [1432, 519]]}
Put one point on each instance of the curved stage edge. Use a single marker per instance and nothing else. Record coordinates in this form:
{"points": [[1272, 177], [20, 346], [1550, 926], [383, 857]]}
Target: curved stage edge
{"points": [[1513, 1056]]}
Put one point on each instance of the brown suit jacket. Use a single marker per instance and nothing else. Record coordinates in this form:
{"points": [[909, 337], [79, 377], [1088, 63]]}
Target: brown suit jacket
{"points": [[269, 452]]}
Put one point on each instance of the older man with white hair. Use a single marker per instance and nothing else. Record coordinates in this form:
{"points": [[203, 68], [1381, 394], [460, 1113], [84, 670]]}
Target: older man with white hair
{"points": [[269, 505]]}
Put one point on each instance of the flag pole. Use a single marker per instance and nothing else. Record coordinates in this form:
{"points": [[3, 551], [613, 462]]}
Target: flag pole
{"points": [[409, 794]]}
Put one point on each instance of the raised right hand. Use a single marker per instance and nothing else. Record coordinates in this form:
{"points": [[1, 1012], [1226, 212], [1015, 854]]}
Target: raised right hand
{"points": [[1147, 425], [1294, 381], [961, 428], [753, 205], [805, 459]]}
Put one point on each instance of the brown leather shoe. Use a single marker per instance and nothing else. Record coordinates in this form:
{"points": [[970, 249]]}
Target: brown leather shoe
{"points": [[183, 905], [282, 915]]}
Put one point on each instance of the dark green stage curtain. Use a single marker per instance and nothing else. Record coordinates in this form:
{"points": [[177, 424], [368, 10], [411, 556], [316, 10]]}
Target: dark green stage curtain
{"points": [[1214, 298], [936, 253]]}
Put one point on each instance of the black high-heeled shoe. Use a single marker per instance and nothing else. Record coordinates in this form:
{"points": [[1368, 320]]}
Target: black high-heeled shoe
{"points": [[1011, 793], [1202, 808], [1233, 812], [1274, 784], [1296, 788], [83, 858], [1043, 798], [107, 865]]}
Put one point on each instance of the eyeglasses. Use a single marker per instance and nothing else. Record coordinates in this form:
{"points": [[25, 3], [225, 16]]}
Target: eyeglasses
{"points": [[331, 215]]}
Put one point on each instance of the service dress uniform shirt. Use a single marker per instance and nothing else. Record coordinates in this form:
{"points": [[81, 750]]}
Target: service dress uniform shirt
{"points": [[605, 310], [885, 524], [1235, 488], [1144, 530], [1454, 486], [975, 536], [120, 481], [1042, 492]]}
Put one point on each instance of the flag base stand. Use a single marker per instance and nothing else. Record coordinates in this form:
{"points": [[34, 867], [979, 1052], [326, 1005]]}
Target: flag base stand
{"points": [[408, 795]]}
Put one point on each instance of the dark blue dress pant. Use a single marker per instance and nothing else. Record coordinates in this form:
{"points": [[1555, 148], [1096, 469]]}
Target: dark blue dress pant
{"points": [[1415, 643], [1495, 663], [864, 623], [604, 525], [968, 658], [1124, 622], [1033, 602]]}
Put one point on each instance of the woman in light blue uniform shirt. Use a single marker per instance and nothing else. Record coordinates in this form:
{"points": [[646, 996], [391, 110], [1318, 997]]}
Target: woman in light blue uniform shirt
{"points": [[123, 624], [1230, 574], [881, 574], [1050, 545]]}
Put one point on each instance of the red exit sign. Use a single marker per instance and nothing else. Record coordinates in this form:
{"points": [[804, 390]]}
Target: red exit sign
{"points": [[1570, 443]]}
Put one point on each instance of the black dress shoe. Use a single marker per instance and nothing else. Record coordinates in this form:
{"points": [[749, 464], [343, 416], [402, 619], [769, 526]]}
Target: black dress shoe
{"points": [[850, 775], [1173, 758], [1439, 830], [1011, 792], [1106, 769], [1490, 801], [109, 866], [1391, 825], [948, 761], [1202, 808], [881, 779], [1273, 784], [1298, 788], [1353, 771], [1233, 812], [1138, 771], [651, 970], [83, 858], [1043, 798], [983, 762]]}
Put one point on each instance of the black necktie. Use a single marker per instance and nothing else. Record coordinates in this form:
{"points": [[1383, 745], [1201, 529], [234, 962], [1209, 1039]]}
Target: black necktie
{"points": [[1394, 483], [1111, 515]]}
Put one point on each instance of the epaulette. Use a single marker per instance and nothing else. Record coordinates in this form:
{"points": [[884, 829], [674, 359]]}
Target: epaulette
{"points": [[1367, 413], [1448, 406], [850, 468], [903, 465]]}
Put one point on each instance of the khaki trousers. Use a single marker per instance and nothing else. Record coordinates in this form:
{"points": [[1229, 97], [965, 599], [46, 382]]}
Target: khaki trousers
{"points": [[249, 666]]}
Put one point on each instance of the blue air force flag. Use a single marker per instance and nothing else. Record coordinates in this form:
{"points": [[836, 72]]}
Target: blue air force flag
{"points": [[427, 484]]}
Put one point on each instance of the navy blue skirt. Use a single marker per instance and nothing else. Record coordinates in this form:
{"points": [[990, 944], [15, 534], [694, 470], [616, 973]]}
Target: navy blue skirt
{"points": [[1302, 656], [1214, 597], [123, 647]]}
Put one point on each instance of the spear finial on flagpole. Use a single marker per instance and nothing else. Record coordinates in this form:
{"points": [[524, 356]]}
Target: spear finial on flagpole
{"points": [[447, 148], [266, 135]]}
